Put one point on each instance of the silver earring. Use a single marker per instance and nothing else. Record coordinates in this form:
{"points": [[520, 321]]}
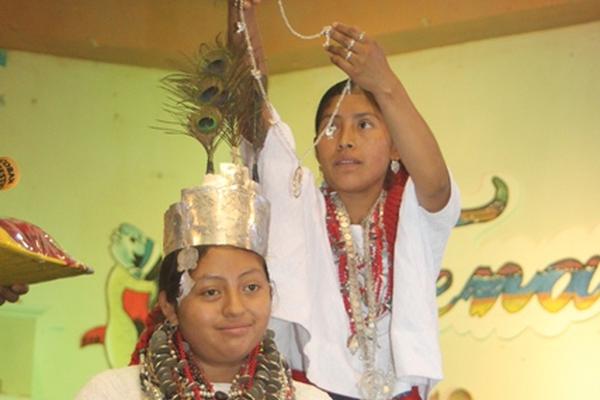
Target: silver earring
{"points": [[395, 166]]}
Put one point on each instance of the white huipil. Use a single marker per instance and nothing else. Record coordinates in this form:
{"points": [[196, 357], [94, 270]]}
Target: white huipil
{"points": [[309, 318]]}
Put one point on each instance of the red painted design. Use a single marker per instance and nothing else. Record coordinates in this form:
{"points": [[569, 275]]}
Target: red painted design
{"points": [[93, 336], [135, 304], [383, 239]]}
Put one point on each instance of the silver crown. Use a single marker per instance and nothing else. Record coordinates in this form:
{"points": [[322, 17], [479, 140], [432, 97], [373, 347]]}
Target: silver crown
{"points": [[227, 209]]}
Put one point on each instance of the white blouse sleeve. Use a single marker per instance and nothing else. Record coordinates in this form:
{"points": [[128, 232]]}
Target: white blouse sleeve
{"points": [[113, 384], [436, 225], [309, 392]]}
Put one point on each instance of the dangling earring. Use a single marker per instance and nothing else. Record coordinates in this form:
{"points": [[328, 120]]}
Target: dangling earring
{"points": [[395, 166]]}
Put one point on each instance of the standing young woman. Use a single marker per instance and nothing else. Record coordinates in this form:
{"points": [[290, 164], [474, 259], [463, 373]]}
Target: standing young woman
{"points": [[355, 262]]}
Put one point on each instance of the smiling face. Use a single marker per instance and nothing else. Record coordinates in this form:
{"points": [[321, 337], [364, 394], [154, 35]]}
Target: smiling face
{"points": [[226, 313], [356, 159]]}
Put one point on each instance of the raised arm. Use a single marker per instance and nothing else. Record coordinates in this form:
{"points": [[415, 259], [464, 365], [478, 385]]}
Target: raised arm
{"points": [[237, 39], [368, 67]]}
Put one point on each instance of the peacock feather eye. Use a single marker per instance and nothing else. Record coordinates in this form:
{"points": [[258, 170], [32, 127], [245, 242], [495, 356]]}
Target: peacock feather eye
{"points": [[208, 94], [216, 67], [215, 61], [208, 91], [216, 99], [207, 124]]}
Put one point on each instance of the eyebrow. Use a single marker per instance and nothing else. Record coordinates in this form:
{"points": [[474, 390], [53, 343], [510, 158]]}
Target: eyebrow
{"points": [[326, 117], [219, 277]]}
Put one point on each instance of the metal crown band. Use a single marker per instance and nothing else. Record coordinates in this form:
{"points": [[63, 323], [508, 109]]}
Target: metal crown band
{"points": [[227, 209]]}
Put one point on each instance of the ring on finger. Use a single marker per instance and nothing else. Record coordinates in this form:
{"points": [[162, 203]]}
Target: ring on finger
{"points": [[348, 55], [361, 36], [351, 44]]}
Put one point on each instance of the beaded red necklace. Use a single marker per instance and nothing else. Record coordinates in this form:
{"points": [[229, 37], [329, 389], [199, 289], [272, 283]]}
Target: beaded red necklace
{"points": [[379, 231], [169, 371], [205, 390], [363, 301]]}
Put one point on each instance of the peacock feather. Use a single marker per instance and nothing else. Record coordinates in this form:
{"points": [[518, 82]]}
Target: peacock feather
{"points": [[216, 98]]}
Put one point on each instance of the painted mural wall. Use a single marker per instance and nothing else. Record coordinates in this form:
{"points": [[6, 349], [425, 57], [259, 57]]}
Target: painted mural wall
{"points": [[517, 119]]}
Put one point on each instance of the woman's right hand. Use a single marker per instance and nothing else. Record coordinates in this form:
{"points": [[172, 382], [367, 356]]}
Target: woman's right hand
{"points": [[361, 58]]}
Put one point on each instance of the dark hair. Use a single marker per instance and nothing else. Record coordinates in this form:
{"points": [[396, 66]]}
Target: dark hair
{"points": [[337, 90], [170, 277]]}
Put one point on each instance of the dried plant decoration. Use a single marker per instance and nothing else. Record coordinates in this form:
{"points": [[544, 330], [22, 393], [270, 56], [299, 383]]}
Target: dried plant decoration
{"points": [[216, 98]]}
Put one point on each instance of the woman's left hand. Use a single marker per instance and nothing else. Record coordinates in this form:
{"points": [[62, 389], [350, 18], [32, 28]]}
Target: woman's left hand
{"points": [[361, 58], [12, 293]]}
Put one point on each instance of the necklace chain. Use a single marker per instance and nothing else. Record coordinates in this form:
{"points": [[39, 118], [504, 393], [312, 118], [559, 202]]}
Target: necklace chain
{"points": [[369, 266], [256, 73], [324, 32], [361, 303]]}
